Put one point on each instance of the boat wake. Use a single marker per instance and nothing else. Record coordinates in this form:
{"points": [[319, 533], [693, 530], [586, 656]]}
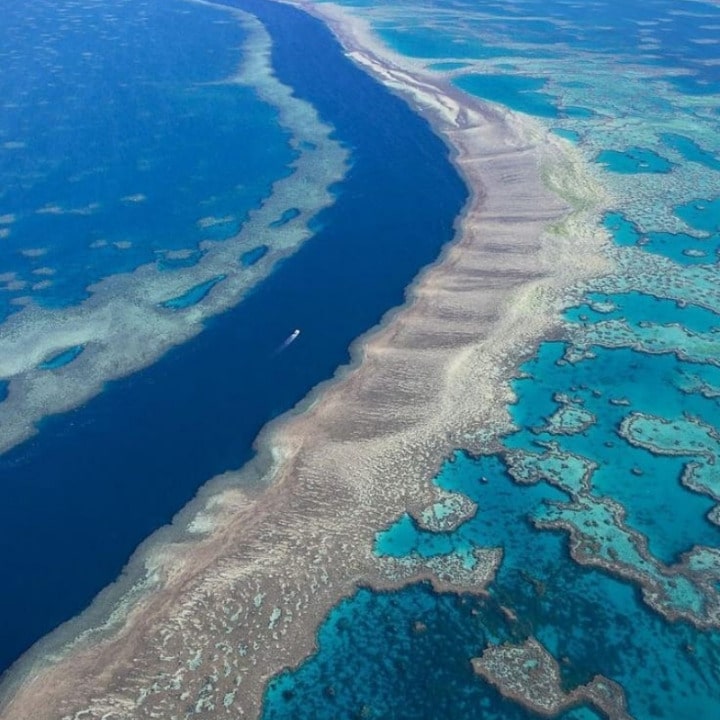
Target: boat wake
{"points": [[289, 340]]}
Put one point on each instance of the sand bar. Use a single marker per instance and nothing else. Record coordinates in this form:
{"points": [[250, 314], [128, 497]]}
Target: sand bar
{"points": [[214, 606]]}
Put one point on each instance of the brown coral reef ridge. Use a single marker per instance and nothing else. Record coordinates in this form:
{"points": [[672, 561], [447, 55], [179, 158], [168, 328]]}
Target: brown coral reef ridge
{"points": [[239, 593], [530, 675]]}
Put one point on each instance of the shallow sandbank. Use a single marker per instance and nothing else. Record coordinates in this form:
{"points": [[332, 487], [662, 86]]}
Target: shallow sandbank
{"points": [[233, 606]]}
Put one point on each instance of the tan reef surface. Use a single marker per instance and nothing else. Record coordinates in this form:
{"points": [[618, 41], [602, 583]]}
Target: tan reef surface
{"points": [[212, 607]]}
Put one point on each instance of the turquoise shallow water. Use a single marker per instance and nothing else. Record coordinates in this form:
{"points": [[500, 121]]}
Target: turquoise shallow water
{"points": [[518, 92], [680, 247], [634, 160], [252, 256], [194, 295], [618, 423], [63, 358], [610, 386], [610, 83], [375, 659]]}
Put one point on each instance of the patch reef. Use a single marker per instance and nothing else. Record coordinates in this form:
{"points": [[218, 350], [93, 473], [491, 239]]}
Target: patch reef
{"points": [[235, 591]]}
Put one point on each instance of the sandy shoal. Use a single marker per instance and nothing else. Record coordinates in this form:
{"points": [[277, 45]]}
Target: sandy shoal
{"points": [[235, 590]]}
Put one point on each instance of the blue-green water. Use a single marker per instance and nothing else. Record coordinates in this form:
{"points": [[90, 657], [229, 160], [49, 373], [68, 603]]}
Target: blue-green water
{"points": [[520, 93], [635, 88], [285, 218], [691, 151], [250, 257], [194, 295], [372, 655], [116, 160], [701, 214], [61, 359], [379, 658], [634, 160], [79, 497]]}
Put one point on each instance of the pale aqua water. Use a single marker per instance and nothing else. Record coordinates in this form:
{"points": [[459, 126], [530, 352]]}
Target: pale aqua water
{"points": [[635, 87], [91, 190]]}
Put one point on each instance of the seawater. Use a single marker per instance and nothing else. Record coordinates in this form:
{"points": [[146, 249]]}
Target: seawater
{"points": [[80, 496], [117, 140], [635, 87]]}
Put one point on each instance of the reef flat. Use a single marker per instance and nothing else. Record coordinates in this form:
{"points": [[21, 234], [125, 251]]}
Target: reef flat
{"points": [[237, 590], [602, 498], [530, 674]]}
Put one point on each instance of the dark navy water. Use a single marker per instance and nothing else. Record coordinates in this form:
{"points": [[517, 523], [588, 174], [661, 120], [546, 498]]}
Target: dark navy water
{"points": [[78, 498], [96, 481]]}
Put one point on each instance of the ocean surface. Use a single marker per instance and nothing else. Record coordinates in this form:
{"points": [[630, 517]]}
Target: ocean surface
{"points": [[115, 144], [617, 447], [117, 160], [80, 496]]}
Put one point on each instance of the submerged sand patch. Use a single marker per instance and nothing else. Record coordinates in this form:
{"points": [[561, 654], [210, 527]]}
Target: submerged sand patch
{"points": [[235, 591]]}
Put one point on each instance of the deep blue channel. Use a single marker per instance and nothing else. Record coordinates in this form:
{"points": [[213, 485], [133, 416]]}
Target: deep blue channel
{"points": [[77, 499]]}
